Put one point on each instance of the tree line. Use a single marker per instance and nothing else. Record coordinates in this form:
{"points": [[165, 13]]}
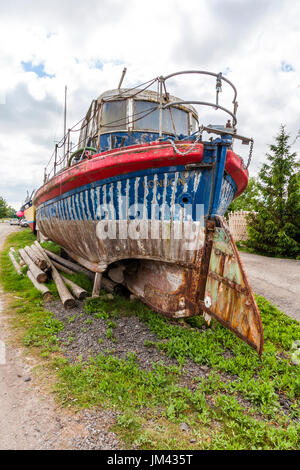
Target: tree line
{"points": [[6, 210]]}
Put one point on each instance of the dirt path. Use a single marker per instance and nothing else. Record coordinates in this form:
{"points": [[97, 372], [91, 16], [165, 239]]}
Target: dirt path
{"points": [[278, 280], [29, 417]]}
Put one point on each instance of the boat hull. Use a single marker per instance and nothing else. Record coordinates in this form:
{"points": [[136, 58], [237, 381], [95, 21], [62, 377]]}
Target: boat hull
{"points": [[29, 214], [148, 188], [154, 214]]}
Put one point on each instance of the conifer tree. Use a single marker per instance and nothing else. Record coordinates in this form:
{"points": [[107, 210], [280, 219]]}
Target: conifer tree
{"points": [[247, 200], [275, 227]]}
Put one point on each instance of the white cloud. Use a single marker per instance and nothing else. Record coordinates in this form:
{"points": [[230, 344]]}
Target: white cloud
{"points": [[86, 45]]}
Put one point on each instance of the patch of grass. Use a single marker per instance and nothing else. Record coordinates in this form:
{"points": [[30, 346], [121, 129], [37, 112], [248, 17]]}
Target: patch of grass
{"points": [[101, 307], [237, 406], [120, 382], [51, 246], [81, 280], [110, 335], [147, 397], [259, 381]]}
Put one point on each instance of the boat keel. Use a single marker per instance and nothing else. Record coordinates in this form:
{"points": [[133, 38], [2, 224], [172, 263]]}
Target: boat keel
{"points": [[228, 296]]}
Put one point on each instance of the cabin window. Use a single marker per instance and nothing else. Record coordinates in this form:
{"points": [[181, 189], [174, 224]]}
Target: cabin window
{"points": [[114, 116], [175, 117], [146, 116]]}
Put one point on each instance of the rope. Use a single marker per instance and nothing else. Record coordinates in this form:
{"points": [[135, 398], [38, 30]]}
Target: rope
{"points": [[124, 93]]}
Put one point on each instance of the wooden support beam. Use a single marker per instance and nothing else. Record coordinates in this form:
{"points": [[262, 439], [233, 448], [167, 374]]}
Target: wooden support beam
{"points": [[37, 259], [14, 262], [41, 251], [64, 294], [39, 275], [108, 285], [69, 264], [62, 268], [116, 274], [78, 291], [47, 296], [39, 254], [97, 285]]}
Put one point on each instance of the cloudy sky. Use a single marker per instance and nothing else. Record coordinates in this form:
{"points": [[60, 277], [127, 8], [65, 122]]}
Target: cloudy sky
{"points": [[46, 45]]}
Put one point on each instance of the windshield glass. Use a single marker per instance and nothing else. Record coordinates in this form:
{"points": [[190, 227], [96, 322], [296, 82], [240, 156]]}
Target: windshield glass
{"points": [[146, 116], [175, 121], [114, 116]]}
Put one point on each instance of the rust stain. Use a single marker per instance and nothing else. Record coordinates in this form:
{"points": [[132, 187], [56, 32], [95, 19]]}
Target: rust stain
{"points": [[227, 286]]}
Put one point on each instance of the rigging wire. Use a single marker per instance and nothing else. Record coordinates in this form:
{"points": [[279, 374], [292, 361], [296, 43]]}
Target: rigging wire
{"points": [[297, 137], [85, 121]]}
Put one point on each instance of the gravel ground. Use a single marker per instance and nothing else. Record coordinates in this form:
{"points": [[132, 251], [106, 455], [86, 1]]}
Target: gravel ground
{"points": [[130, 334], [82, 339]]}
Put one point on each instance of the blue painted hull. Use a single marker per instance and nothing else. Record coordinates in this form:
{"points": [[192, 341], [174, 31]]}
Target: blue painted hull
{"points": [[163, 195], [172, 185]]}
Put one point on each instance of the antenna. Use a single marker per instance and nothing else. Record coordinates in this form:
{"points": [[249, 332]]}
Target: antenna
{"points": [[122, 77], [65, 120]]}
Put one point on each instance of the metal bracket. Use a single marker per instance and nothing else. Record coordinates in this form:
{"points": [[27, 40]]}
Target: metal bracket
{"points": [[195, 166], [227, 131]]}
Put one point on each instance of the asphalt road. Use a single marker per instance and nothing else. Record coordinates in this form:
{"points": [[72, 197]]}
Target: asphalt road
{"points": [[278, 280]]}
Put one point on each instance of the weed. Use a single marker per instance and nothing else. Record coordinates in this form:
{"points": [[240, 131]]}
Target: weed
{"points": [[110, 335]]}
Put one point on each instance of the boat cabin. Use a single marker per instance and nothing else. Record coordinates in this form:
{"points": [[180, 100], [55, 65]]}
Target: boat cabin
{"points": [[123, 117]]}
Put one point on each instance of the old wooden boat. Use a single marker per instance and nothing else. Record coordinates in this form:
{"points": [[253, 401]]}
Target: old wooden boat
{"points": [[28, 210], [142, 200]]}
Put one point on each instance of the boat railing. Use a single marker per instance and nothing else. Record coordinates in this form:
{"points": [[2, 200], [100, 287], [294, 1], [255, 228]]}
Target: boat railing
{"points": [[58, 162], [219, 79]]}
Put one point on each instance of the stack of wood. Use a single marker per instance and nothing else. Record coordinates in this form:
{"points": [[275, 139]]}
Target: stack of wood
{"points": [[43, 264]]}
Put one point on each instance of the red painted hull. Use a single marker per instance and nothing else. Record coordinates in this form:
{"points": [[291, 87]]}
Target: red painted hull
{"points": [[132, 159], [32, 226]]}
